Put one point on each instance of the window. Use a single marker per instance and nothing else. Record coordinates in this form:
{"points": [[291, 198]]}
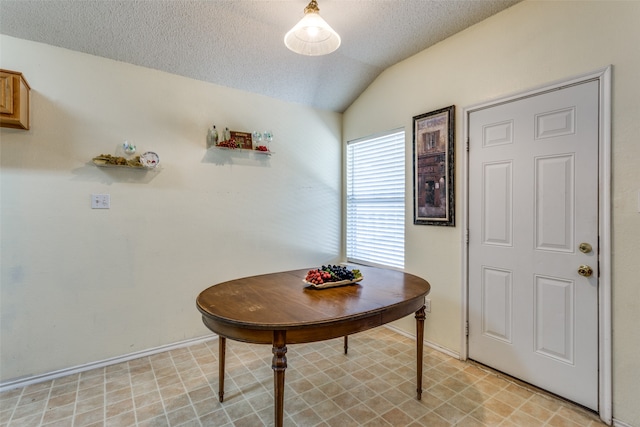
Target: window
{"points": [[375, 200]]}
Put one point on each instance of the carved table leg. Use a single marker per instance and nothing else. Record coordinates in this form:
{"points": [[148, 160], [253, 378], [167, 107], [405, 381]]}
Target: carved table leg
{"points": [[279, 364], [222, 341], [420, 344], [346, 343]]}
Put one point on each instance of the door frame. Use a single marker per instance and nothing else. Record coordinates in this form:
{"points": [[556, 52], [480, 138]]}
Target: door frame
{"points": [[603, 75]]}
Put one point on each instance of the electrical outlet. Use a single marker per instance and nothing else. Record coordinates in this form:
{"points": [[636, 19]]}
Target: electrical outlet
{"points": [[100, 201], [427, 305]]}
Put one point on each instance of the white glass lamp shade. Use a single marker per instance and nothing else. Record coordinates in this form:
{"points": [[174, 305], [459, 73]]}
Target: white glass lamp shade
{"points": [[312, 36]]}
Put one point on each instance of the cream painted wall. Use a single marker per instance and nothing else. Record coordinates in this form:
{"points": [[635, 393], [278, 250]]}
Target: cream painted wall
{"points": [[531, 44], [81, 285]]}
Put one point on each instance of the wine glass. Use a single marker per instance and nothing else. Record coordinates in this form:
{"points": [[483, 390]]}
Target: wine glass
{"points": [[128, 147], [256, 139]]}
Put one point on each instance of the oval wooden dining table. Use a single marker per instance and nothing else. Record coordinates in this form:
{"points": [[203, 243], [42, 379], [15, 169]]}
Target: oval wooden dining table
{"points": [[280, 309]]}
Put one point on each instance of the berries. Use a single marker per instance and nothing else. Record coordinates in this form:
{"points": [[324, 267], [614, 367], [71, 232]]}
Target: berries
{"points": [[331, 273], [262, 148]]}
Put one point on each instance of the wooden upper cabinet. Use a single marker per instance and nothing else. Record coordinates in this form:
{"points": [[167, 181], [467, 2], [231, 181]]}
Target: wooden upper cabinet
{"points": [[14, 100]]}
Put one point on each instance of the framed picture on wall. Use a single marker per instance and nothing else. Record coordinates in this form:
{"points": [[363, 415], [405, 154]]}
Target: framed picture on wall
{"points": [[433, 167]]}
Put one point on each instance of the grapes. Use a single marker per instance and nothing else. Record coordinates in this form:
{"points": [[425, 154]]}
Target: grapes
{"points": [[331, 273], [318, 277]]}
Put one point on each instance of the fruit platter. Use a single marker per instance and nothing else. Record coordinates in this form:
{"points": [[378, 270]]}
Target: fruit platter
{"points": [[330, 276]]}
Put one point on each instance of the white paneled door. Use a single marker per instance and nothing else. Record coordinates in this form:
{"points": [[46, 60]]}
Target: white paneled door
{"points": [[533, 240]]}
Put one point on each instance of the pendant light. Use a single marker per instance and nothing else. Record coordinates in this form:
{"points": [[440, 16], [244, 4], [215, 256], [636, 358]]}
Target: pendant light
{"points": [[312, 35]]}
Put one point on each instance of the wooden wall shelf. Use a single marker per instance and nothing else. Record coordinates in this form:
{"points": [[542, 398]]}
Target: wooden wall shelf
{"points": [[14, 100]]}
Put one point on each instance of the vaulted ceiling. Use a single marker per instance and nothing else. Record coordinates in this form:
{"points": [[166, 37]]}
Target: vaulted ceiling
{"points": [[239, 43]]}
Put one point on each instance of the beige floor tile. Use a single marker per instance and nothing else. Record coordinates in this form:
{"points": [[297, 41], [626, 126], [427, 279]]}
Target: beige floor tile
{"points": [[116, 384], [147, 399], [487, 416], [343, 420], [58, 413], [215, 418], [124, 419], [26, 421], [546, 402], [373, 385], [433, 420], [28, 411], [160, 421], [38, 387], [498, 407], [396, 417], [117, 408], [474, 394], [306, 418], [512, 399], [560, 421], [181, 416], [65, 422], [524, 392], [61, 400], [454, 384], [464, 404], [469, 421], [449, 412], [536, 411], [487, 386], [34, 397], [174, 403], [91, 392], [345, 400], [90, 404], [379, 404], [442, 392], [332, 389], [521, 418], [414, 408], [89, 418]]}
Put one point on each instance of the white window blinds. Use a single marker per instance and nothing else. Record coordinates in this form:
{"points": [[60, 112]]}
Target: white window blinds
{"points": [[375, 200]]}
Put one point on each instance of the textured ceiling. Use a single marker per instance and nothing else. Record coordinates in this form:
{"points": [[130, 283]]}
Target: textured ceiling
{"points": [[239, 43]]}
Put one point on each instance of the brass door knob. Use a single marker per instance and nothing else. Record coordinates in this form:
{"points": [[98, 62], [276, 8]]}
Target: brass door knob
{"points": [[585, 270]]}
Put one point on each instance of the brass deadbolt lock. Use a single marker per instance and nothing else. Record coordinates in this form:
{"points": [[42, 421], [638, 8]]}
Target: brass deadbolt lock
{"points": [[585, 248]]}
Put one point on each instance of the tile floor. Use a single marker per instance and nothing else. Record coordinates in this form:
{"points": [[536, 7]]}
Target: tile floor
{"points": [[374, 385]]}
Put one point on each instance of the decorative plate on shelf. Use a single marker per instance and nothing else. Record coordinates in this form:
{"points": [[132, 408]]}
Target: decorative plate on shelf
{"points": [[149, 159], [326, 285]]}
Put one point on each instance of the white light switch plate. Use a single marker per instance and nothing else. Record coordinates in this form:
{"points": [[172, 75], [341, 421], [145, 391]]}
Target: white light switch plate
{"points": [[100, 201]]}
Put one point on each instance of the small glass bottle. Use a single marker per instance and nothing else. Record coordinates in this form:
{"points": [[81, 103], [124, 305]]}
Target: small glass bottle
{"points": [[212, 137], [227, 134]]}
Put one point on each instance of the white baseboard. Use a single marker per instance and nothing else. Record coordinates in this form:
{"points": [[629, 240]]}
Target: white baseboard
{"points": [[34, 379], [617, 423], [429, 344]]}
